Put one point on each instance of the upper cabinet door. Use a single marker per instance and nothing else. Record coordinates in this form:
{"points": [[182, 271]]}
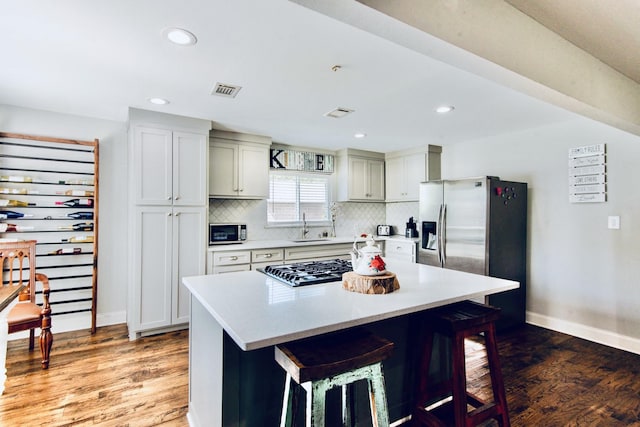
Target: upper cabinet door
{"points": [[358, 178], [253, 168], [223, 169], [376, 180], [189, 169], [415, 173], [152, 158]]}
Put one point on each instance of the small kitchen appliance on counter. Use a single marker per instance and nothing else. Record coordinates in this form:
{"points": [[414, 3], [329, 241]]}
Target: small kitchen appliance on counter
{"points": [[411, 230], [221, 234], [384, 230]]}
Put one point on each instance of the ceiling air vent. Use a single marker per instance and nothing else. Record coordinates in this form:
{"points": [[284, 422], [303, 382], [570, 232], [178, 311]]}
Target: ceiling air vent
{"points": [[228, 91], [338, 112]]}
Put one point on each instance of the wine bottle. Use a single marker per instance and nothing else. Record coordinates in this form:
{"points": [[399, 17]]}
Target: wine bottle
{"points": [[12, 215], [15, 203], [13, 227], [16, 178], [77, 202], [81, 226], [65, 251], [79, 239], [81, 215], [85, 193]]}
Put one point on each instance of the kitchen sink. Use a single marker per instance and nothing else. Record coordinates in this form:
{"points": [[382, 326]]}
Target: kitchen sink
{"points": [[309, 240]]}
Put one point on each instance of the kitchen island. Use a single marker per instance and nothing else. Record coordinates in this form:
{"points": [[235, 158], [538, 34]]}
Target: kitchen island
{"points": [[237, 318]]}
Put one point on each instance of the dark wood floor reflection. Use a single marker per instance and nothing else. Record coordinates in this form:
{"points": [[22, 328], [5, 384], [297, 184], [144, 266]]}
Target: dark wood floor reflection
{"points": [[552, 379]]}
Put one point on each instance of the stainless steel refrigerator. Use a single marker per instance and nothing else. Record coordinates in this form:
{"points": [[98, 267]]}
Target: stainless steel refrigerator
{"points": [[478, 225]]}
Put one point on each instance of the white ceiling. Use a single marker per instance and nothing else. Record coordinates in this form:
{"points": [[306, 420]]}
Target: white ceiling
{"points": [[98, 58], [608, 30]]}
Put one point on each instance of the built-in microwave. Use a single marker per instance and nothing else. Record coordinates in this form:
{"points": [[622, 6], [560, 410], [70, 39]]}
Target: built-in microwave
{"points": [[220, 234]]}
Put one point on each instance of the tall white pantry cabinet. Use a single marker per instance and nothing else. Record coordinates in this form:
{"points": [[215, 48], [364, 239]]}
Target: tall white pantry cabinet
{"points": [[168, 209]]}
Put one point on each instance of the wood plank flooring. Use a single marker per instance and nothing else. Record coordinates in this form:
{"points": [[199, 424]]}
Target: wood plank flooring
{"points": [[102, 379], [552, 379]]}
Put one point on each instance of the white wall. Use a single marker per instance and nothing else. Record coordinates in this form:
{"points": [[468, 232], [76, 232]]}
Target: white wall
{"points": [[583, 277], [112, 249]]}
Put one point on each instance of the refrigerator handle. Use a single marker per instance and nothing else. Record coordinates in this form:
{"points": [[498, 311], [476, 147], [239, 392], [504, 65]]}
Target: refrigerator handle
{"points": [[443, 235], [439, 234]]}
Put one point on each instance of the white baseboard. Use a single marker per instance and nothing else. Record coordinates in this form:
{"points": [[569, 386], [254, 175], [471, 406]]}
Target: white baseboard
{"points": [[111, 318], [601, 336]]}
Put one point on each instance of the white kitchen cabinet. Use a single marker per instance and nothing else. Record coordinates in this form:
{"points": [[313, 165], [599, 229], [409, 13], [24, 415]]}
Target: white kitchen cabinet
{"points": [[228, 261], [169, 215], [170, 167], [363, 172], [272, 255], [400, 249], [169, 245], [238, 168], [407, 169], [225, 260]]}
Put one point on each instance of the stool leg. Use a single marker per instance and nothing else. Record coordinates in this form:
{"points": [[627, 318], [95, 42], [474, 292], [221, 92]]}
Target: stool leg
{"points": [[459, 377], [316, 395], [347, 405], [497, 383], [422, 394], [378, 397], [289, 403]]}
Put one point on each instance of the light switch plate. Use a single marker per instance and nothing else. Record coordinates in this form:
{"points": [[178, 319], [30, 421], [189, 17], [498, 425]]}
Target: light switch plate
{"points": [[614, 222]]}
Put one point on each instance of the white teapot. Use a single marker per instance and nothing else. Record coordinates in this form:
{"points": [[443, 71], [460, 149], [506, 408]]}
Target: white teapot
{"points": [[368, 260]]}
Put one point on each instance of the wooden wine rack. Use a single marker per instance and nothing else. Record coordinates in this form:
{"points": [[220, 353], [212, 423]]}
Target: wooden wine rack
{"points": [[38, 171]]}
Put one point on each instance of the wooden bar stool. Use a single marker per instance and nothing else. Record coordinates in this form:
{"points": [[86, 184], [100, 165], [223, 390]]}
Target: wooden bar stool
{"points": [[459, 321], [339, 359]]}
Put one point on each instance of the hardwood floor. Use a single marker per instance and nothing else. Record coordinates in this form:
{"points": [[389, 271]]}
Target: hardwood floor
{"points": [[551, 379], [102, 379]]}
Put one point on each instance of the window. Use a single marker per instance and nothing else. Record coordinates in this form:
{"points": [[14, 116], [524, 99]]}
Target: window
{"points": [[292, 194]]}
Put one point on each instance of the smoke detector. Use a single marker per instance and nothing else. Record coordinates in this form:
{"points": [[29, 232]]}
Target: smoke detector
{"points": [[228, 91], [338, 112]]}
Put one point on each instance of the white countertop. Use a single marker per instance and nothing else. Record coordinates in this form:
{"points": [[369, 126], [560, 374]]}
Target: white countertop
{"points": [[266, 244], [258, 311]]}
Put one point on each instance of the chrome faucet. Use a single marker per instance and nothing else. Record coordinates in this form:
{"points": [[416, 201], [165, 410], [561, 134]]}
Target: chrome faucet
{"points": [[305, 230]]}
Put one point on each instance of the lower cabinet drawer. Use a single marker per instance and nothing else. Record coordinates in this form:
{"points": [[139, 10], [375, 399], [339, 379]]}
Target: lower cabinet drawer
{"points": [[231, 258], [400, 250], [267, 255]]}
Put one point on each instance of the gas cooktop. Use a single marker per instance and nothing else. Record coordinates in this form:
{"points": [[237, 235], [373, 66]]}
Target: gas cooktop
{"points": [[308, 273]]}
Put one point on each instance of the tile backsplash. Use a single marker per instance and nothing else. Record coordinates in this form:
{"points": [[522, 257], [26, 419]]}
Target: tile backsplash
{"points": [[352, 218]]}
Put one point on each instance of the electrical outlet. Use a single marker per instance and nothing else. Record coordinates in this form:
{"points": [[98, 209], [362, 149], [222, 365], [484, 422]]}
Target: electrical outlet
{"points": [[614, 222]]}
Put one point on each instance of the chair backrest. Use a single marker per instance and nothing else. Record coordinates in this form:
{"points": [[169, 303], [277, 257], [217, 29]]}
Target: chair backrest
{"points": [[18, 260]]}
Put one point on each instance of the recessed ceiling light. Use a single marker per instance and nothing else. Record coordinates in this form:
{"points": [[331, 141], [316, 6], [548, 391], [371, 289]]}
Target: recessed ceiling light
{"points": [[445, 109], [359, 135], [158, 101], [180, 36]]}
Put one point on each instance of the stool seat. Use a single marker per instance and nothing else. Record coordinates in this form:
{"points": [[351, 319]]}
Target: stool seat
{"points": [[339, 359], [459, 321], [325, 356]]}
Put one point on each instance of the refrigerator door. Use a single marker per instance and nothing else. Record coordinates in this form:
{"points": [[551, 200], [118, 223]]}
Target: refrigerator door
{"points": [[465, 225], [431, 211]]}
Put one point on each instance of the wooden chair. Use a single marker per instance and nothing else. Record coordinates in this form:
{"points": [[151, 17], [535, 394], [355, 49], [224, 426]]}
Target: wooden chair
{"points": [[18, 261]]}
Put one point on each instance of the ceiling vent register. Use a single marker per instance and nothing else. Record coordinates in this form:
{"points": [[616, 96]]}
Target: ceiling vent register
{"points": [[339, 112], [228, 91]]}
